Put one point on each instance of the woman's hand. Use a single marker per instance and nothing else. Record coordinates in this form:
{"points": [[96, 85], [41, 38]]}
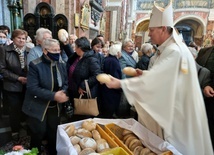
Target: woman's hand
{"points": [[81, 91], [60, 97], [139, 72], [23, 80], [208, 91]]}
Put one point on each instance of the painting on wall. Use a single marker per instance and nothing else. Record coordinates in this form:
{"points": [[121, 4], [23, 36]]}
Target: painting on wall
{"points": [[85, 16]]}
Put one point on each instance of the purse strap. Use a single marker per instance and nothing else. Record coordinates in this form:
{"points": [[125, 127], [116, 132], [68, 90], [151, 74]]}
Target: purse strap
{"points": [[87, 89]]}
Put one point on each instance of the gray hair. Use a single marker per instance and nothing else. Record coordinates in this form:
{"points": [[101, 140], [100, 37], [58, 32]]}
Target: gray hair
{"points": [[114, 49], [146, 47], [125, 42], [47, 43], [40, 32]]}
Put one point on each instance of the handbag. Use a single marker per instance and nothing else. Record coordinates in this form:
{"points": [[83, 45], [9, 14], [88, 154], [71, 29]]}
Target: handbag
{"points": [[86, 106]]}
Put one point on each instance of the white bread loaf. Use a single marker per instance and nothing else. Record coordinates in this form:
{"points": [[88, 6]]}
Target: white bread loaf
{"points": [[63, 35], [89, 125], [87, 142], [70, 130]]}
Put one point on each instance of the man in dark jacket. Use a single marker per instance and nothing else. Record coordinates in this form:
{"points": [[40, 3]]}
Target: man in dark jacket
{"points": [[206, 59]]}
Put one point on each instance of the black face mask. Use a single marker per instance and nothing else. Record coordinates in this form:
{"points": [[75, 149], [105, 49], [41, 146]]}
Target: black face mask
{"points": [[53, 56]]}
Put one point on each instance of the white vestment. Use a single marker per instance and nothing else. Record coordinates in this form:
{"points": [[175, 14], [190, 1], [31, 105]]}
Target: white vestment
{"points": [[173, 99]]}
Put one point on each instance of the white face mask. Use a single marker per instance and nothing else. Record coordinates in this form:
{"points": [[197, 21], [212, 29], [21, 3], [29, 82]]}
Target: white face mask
{"points": [[3, 41]]}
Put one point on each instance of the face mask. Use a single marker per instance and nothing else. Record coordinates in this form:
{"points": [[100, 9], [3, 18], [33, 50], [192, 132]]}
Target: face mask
{"points": [[2, 41], [53, 56]]}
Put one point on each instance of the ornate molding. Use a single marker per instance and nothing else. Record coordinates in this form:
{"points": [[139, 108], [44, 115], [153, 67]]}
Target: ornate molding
{"points": [[96, 10]]}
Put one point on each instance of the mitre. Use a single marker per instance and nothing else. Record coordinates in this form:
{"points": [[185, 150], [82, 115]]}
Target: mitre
{"points": [[161, 16]]}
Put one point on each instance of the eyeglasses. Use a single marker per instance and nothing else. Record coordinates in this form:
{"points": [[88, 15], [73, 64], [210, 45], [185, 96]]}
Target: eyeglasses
{"points": [[53, 51]]}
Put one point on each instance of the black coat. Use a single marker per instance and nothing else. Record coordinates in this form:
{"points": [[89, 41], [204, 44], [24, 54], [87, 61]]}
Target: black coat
{"points": [[10, 67], [87, 68], [110, 97], [40, 84]]}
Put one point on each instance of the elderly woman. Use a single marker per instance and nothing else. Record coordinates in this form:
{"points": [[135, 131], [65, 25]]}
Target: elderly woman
{"points": [[147, 52], [13, 66], [46, 87], [129, 56], [111, 97], [82, 65]]}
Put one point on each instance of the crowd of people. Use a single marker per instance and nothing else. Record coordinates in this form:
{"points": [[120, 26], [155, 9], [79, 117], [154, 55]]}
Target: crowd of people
{"points": [[168, 90], [37, 82]]}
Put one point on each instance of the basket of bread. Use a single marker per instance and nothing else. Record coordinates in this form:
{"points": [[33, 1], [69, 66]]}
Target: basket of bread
{"points": [[110, 136], [130, 142], [88, 137]]}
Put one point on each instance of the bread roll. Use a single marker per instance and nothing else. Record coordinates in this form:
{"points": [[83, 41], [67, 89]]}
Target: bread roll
{"points": [[134, 143], [137, 150], [86, 151], [152, 153], [74, 140], [70, 130], [127, 136], [125, 132], [96, 135], [89, 125], [63, 35], [103, 78], [83, 133], [129, 71], [145, 151], [129, 139], [88, 143], [77, 148], [101, 145]]}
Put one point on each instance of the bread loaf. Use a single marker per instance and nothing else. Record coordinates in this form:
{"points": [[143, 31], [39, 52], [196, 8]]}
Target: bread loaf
{"points": [[88, 143], [101, 145], [103, 78], [63, 35], [96, 135], [86, 151], [129, 71], [137, 150], [126, 132], [145, 151], [129, 139], [74, 140], [77, 148], [134, 143], [89, 125], [83, 133], [70, 130], [127, 136]]}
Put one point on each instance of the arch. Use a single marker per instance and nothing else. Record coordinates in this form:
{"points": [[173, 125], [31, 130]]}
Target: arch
{"points": [[195, 18], [145, 22]]}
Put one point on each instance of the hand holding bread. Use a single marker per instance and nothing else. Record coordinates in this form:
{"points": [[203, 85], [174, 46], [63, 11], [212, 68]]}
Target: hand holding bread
{"points": [[63, 35], [130, 71], [103, 78]]}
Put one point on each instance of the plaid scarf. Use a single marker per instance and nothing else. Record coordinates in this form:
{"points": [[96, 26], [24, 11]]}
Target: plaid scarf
{"points": [[21, 55]]}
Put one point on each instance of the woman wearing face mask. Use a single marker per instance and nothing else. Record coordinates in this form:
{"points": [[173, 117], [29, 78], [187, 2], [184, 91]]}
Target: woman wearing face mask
{"points": [[46, 91], [3, 38]]}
